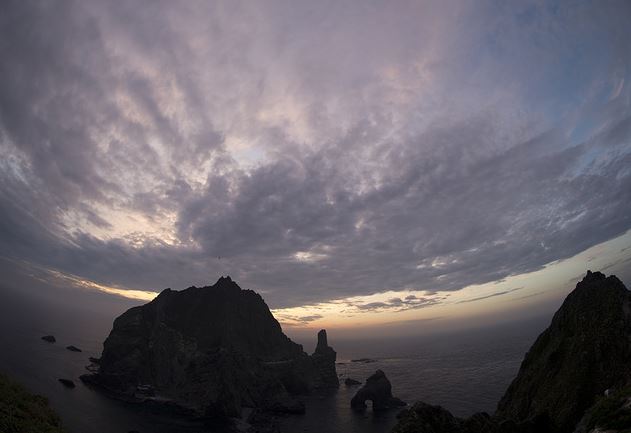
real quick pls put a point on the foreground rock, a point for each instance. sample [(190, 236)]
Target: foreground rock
[(562, 381), (212, 351), (425, 418), (49, 338), (378, 390), (21, 411)]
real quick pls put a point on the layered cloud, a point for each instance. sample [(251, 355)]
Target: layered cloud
[(312, 151)]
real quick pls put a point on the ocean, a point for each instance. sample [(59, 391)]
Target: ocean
[(465, 372)]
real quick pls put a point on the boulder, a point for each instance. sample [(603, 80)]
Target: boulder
[(379, 390), (49, 338)]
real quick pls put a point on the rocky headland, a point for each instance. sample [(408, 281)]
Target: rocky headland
[(211, 351), (575, 377)]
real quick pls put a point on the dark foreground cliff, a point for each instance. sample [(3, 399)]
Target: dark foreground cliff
[(21, 411), (211, 352), (584, 354)]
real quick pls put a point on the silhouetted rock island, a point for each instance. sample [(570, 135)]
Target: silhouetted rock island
[(378, 390), (49, 338), (575, 377), (212, 351)]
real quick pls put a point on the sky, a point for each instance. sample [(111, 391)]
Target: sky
[(358, 163)]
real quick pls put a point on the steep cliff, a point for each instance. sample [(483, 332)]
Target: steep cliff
[(211, 350), (585, 351), (584, 354)]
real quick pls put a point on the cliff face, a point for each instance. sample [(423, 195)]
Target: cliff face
[(212, 350), (585, 351)]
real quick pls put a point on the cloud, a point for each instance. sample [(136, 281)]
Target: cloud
[(323, 152), (410, 302), (492, 295)]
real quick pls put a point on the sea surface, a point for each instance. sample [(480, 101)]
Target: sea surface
[(465, 372)]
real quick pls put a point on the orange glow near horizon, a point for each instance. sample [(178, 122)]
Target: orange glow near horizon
[(515, 293)]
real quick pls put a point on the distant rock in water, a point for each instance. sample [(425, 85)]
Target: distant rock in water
[(378, 390), (584, 354), (364, 360), (73, 348), (49, 338), (67, 383), (212, 350), (351, 382)]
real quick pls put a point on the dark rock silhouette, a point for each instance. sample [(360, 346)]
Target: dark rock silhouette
[(425, 418), (49, 338), (585, 351), (212, 350), (379, 390), (67, 383), (73, 348), (351, 382), (583, 354), (324, 363)]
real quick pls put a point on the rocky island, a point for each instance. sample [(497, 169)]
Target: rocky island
[(575, 377), (210, 351)]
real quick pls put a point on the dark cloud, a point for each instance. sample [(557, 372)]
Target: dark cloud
[(139, 144), (492, 295)]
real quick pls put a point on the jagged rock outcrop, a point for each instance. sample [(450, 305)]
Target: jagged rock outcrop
[(379, 390), (584, 352), (212, 350)]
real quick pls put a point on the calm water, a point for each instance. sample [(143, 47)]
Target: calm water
[(464, 373)]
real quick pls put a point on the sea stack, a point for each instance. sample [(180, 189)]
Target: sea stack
[(324, 363), (212, 350)]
